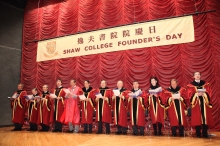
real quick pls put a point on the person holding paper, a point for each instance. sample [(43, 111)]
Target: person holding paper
[(87, 106), (103, 107), (156, 106), (137, 109), (119, 106), (32, 110), (18, 105), (58, 106), (200, 95), (71, 114), (45, 106), (176, 99)]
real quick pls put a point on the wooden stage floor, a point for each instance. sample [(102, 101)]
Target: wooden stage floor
[(26, 138)]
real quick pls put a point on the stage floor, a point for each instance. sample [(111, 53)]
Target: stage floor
[(26, 138)]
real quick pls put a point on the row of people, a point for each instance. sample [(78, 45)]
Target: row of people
[(64, 108)]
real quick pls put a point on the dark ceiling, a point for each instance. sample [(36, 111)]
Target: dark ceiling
[(16, 3)]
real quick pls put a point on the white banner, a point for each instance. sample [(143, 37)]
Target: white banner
[(140, 35)]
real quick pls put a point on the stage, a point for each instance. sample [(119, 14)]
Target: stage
[(26, 138)]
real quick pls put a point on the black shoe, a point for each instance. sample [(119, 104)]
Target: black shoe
[(55, 130), (90, 131), (118, 132), (85, 132), (15, 129), (142, 134), (135, 134), (198, 136), (98, 133), (107, 132), (205, 136), (70, 131), (124, 133)]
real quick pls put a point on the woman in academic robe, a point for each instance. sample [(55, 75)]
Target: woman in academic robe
[(87, 106), (18, 105), (156, 107), (137, 108), (45, 106), (103, 107), (33, 110), (176, 104)]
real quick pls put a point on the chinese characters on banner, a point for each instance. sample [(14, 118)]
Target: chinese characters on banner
[(141, 35)]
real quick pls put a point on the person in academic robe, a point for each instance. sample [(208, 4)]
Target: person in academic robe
[(136, 105), (120, 109), (156, 107), (176, 107), (87, 106), (44, 106), (103, 107), (33, 110), (200, 96), (58, 106), (18, 105), (71, 114)]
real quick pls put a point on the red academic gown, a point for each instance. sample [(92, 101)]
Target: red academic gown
[(18, 106), (176, 109), (137, 109), (120, 109), (88, 106), (45, 109), (106, 106), (197, 106), (33, 110), (59, 104), (156, 112)]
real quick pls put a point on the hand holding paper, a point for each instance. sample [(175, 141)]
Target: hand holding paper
[(53, 96), (99, 95), (155, 91), (202, 90), (132, 95), (82, 97), (116, 92), (176, 96)]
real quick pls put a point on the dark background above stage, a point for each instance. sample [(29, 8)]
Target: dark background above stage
[(11, 20), (60, 17)]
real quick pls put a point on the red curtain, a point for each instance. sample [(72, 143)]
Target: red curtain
[(61, 17)]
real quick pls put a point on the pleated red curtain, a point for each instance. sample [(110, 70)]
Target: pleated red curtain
[(61, 17)]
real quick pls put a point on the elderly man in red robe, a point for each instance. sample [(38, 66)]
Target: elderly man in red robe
[(137, 109), (200, 96), (120, 108), (71, 114), (58, 106), (103, 107), (33, 110), (176, 98), (45, 106), (18, 105), (87, 106)]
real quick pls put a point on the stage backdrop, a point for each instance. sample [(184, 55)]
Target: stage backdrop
[(62, 17)]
